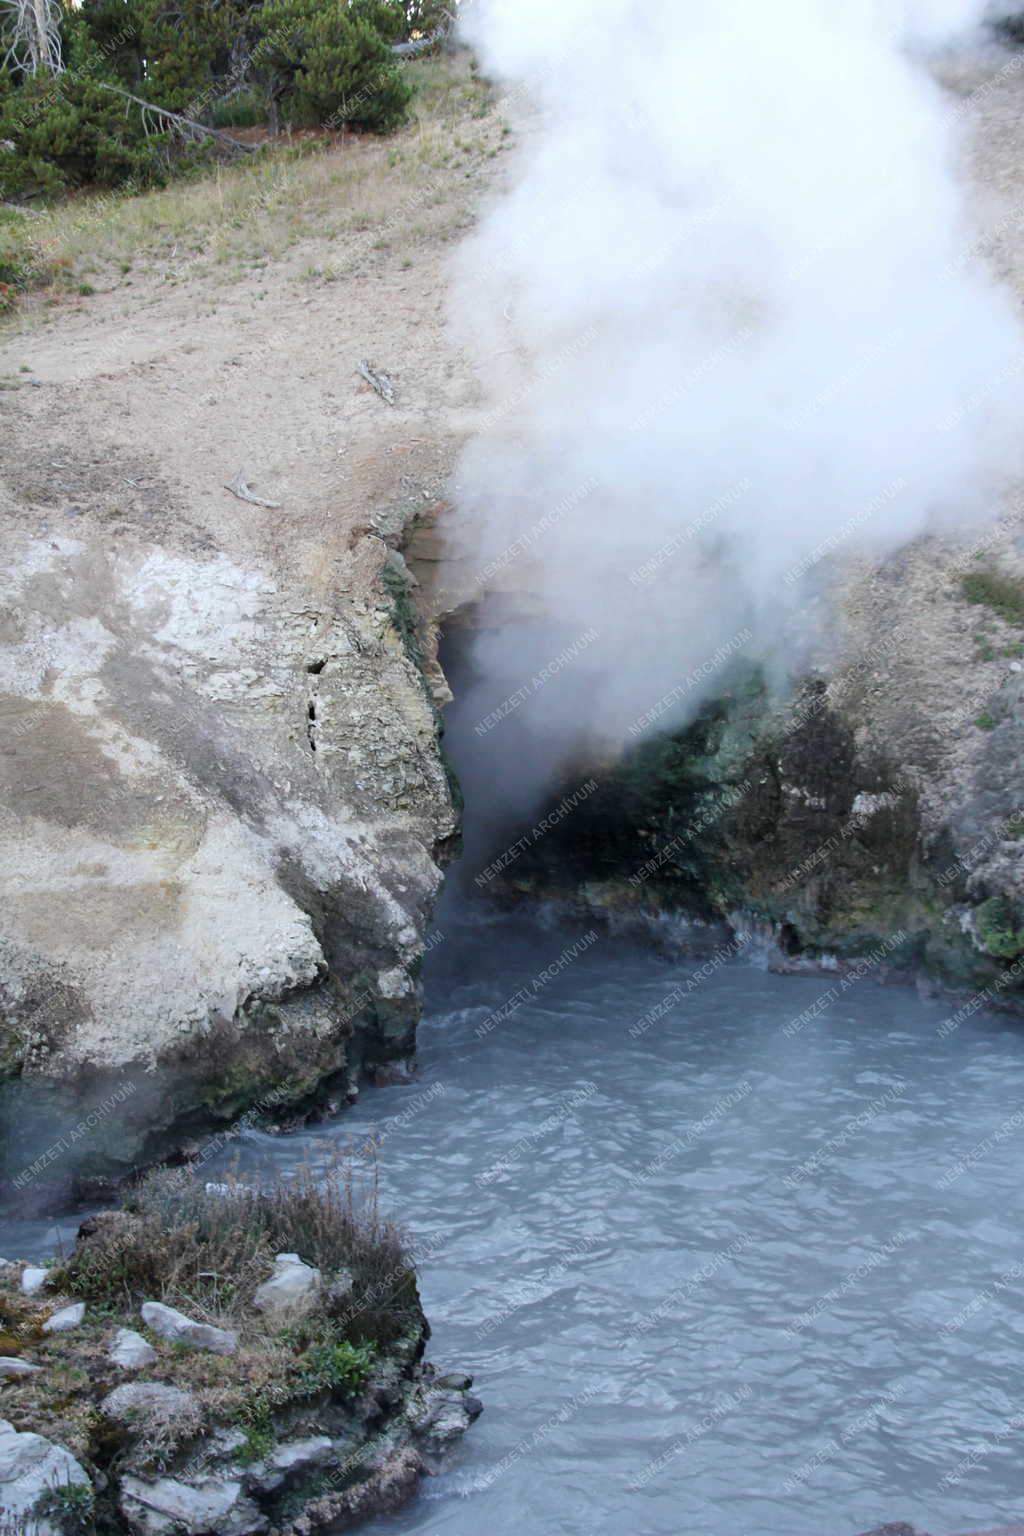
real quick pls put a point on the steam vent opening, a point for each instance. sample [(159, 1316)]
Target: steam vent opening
[(495, 730)]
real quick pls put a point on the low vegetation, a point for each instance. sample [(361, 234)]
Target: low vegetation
[(131, 93), (992, 589), (1000, 929), (204, 1251)]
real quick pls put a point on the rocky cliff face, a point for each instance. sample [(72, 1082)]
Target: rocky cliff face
[(224, 809)]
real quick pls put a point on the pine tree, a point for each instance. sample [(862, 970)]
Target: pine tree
[(323, 64)]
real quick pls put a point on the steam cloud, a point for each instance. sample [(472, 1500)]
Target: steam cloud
[(729, 323)]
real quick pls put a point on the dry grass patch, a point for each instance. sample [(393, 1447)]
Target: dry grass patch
[(206, 1251), (396, 191)]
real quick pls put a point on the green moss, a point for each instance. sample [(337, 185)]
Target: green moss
[(1003, 594), (403, 615), (986, 722), (997, 928)]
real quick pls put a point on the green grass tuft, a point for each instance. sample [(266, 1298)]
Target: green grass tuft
[(1004, 595)]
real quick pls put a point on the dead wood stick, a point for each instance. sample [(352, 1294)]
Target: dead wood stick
[(378, 381), (240, 488), (186, 127)]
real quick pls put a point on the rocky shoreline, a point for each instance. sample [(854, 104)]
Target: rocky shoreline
[(129, 1415)]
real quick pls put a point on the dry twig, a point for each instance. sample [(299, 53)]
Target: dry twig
[(240, 488)]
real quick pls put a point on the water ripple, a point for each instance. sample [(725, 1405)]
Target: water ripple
[(718, 1280)]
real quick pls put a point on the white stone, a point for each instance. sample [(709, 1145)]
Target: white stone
[(153, 1403), (292, 1287), (179, 1329), (11, 1366), (162, 1505), (395, 982), (66, 1319), (150, 1396), (33, 1280), (130, 1350), (29, 1467)]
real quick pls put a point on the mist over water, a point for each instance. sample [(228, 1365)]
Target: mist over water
[(730, 329)]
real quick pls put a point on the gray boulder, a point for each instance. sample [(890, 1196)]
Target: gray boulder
[(66, 1319), (293, 1287), (208, 1507), (130, 1350), (295, 1457), (155, 1406), (33, 1279), (29, 1467), (179, 1329), (442, 1417)]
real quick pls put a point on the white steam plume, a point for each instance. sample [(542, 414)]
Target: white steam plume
[(729, 321)]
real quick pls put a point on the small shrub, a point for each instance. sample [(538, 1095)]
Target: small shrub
[(395, 20), (998, 930), (323, 65), (986, 721), (22, 264), (72, 1507), (69, 132), (1003, 594), (338, 1366), (245, 109)]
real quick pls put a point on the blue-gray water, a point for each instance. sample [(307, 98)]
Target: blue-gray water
[(714, 1276)]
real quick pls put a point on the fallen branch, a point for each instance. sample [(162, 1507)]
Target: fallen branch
[(417, 45), (243, 491), (413, 47), (378, 381), (185, 127)]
